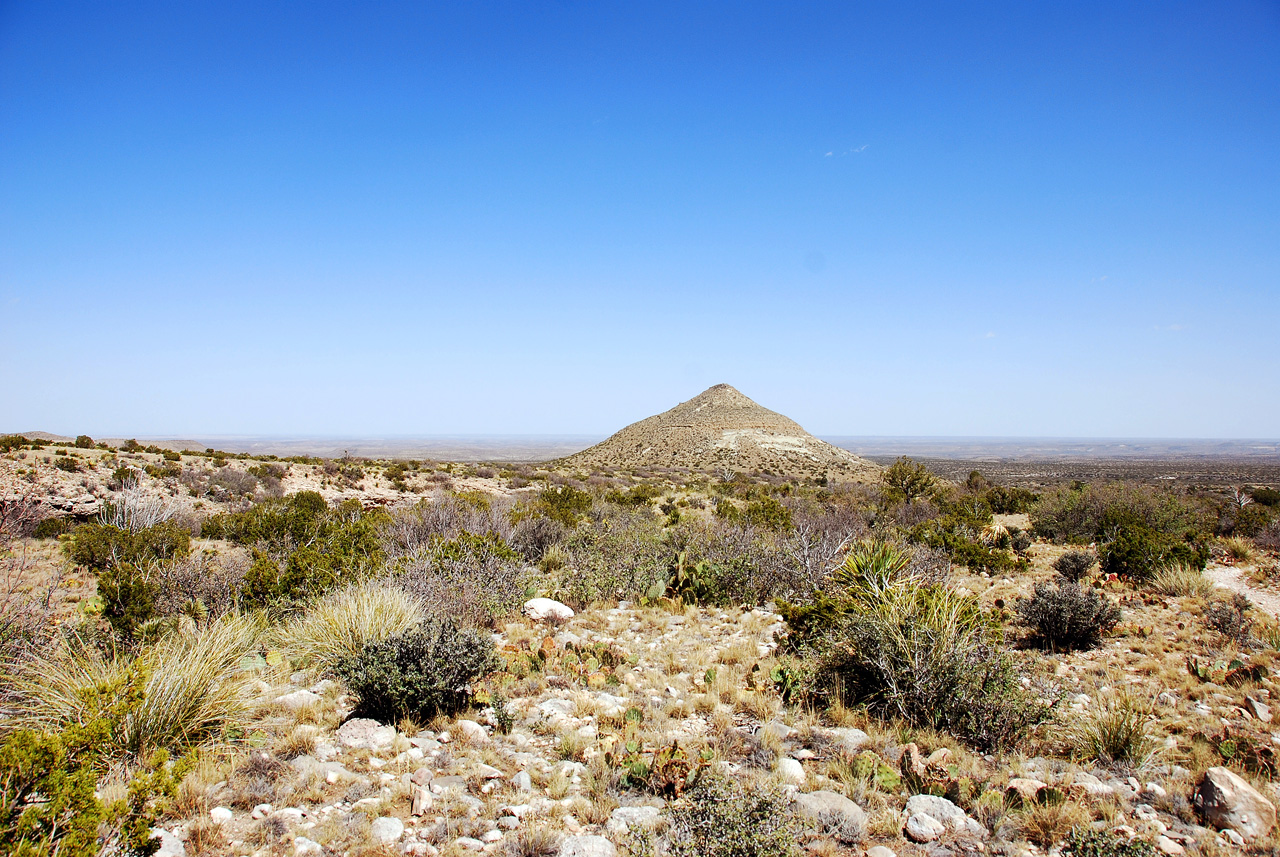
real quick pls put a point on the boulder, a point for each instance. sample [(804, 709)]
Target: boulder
[(547, 609), (299, 699), (833, 811), (220, 814), (170, 844), (1024, 789), (624, 818), (945, 812), (923, 828), (363, 733), (791, 771), (1226, 801), (1259, 709), (587, 846), (849, 740), (473, 732), (388, 829)]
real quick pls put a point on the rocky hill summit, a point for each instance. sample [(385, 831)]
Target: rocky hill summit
[(721, 429)]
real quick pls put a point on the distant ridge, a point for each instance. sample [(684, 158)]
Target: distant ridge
[(721, 429)]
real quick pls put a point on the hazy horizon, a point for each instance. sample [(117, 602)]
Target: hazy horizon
[(987, 219)]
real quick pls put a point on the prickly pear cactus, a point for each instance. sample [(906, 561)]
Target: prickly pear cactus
[(865, 764)]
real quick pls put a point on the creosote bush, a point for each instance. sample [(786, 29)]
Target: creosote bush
[(721, 817), (422, 672), (1067, 616), (1074, 565), (1229, 618)]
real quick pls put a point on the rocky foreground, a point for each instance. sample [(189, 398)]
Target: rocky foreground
[(540, 776)]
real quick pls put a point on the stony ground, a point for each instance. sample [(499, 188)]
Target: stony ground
[(309, 782)]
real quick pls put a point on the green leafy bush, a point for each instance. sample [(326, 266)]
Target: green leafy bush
[(905, 480), (720, 817), (51, 528), (1086, 842), (98, 546), (47, 804), (768, 513), (69, 465), (1068, 616), (128, 599), (1137, 551), (564, 504), (1084, 513), (49, 807), (422, 672), (301, 547)]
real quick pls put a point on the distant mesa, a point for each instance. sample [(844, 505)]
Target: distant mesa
[(720, 430)]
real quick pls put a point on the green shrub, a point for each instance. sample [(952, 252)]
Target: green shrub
[(564, 504), (420, 673), (51, 528), (70, 465), (1009, 501), (47, 803), (636, 495), (1265, 496), (1083, 513), (929, 656), (1137, 551), (905, 480), (1074, 565), (301, 547), (768, 513), (84, 442), (720, 817), (1068, 616), (1087, 842), (98, 546), (128, 599)]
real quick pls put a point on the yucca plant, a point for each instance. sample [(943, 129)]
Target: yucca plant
[(871, 566)]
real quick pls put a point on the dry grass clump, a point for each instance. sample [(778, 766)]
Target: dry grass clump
[(1238, 549), (184, 689), (1046, 824), (533, 842), (1179, 580), (340, 625)]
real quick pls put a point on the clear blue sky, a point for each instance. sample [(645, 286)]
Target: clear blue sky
[(879, 219)]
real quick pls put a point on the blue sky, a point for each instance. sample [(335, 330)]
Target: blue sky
[(941, 218)]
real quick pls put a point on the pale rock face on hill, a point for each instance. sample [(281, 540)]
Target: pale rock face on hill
[(721, 429)]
